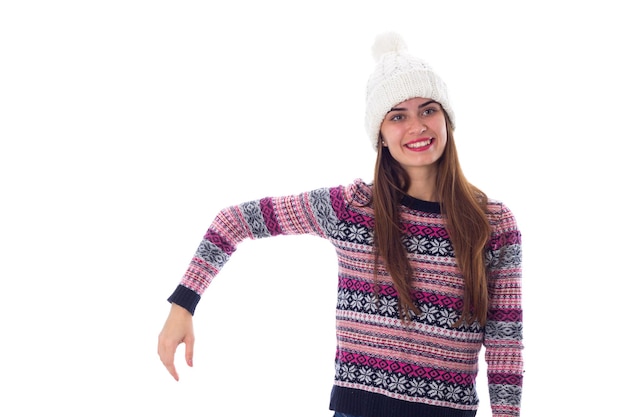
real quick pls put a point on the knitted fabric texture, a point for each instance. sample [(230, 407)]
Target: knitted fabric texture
[(397, 77), (383, 366)]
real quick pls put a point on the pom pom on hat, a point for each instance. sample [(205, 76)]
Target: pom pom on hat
[(397, 77), (387, 42)]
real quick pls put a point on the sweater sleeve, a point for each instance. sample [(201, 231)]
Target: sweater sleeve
[(306, 213), (503, 331)]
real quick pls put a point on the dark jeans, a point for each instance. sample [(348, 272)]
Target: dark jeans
[(343, 415)]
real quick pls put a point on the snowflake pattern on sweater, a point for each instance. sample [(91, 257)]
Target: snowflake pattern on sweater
[(384, 367)]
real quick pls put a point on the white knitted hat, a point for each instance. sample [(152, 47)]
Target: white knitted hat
[(397, 77)]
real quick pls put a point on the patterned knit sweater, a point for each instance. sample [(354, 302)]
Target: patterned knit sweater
[(384, 367)]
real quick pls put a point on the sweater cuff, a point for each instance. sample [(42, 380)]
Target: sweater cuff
[(186, 298)]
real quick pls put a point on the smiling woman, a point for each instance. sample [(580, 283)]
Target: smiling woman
[(429, 268), (127, 125)]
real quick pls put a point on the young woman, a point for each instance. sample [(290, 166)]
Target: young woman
[(429, 267)]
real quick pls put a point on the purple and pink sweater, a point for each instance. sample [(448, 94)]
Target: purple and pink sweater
[(382, 366)]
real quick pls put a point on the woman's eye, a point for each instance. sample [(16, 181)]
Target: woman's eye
[(431, 110), (396, 117)]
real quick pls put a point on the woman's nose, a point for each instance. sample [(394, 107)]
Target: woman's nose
[(417, 126)]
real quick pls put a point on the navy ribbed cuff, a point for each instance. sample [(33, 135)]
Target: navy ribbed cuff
[(185, 298)]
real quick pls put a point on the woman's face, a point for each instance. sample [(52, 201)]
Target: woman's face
[(415, 133)]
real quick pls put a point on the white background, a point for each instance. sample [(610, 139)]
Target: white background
[(126, 125)]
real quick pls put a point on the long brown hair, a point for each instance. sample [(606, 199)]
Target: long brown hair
[(463, 207)]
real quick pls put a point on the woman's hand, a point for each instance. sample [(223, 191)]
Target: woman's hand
[(178, 328)]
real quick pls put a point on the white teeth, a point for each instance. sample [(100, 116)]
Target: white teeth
[(419, 144)]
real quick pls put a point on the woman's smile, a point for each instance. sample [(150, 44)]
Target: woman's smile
[(420, 144)]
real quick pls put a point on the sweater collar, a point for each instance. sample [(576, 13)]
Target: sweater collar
[(420, 205)]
